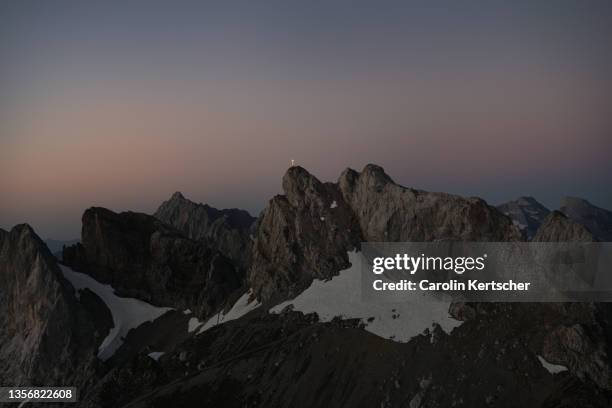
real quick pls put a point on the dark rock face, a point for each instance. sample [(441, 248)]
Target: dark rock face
[(389, 212), (291, 360), (597, 220), (573, 335), (581, 346), (45, 337), (122, 383), (527, 213), (144, 258), (558, 228), (302, 235), (306, 233), (227, 230)]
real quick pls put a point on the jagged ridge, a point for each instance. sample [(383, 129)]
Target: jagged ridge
[(226, 230), (307, 232)]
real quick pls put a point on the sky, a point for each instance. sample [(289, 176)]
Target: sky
[(119, 104)]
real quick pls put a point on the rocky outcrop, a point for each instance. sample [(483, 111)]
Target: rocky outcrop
[(46, 338), (558, 228), (526, 213), (227, 230), (597, 220), (582, 348), (306, 233), (141, 257), (581, 345), (302, 235), (389, 212), (121, 384), (291, 360)]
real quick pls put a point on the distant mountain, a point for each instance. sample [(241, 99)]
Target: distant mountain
[(56, 246), (597, 220), (556, 227), (227, 230), (526, 213)]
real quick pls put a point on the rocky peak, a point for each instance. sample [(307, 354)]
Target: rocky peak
[(24, 237), (390, 212), (300, 186), (557, 227), (372, 177), (302, 235), (226, 230), (375, 175), (41, 327), (177, 196), (526, 213), (234, 217), (527, 200), (597, 220)]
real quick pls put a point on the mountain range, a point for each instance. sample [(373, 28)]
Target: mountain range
[(195, 306), (528, 214)]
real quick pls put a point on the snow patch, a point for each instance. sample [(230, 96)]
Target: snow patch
[(334, 204), (240, 308), (127, 313), (187, 311), (156, 355), (193, 324), (551, 368), (341, 296)]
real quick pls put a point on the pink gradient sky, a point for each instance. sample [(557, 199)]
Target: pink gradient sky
[(93, 118)]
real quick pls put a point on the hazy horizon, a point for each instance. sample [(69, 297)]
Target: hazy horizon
[(71, 229), (119, 105)]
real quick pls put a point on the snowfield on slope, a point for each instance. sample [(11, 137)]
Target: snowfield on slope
[(550, 367), (398, 321), (240, 308), (156, 355), (127, 313)]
